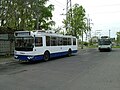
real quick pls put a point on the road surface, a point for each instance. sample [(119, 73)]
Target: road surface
[(87, 70)]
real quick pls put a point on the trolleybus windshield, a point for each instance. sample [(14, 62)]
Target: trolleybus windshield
[(104, 42), (24, 44)]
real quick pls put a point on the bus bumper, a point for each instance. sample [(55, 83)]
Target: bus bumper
[(28, 58)]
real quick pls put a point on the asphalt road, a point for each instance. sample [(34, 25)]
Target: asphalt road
[(87, 70)]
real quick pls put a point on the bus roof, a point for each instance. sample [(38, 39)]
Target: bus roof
[(39, 33)]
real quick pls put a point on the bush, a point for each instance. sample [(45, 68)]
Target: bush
[(86, 43)]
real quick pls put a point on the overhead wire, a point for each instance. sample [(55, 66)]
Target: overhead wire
[(58, 3), (107, 5), (112, 12)]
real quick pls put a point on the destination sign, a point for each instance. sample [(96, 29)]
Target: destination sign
[(22, 33)]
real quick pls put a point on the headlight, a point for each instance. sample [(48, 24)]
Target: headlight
[(15, 56), (30, 57), (15, 52)]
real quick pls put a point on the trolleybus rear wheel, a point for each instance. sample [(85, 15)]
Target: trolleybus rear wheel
[(69, 52), (46, 56)]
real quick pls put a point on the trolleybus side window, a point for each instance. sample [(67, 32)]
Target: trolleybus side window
[(69, 41), (38, 41), (64, 41), (47, 40), (60, 39), (53, 41), (74, 41)]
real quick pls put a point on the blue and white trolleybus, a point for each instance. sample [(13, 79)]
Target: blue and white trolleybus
[(42, 45), (104, 43)]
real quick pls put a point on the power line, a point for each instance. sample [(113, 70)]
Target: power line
[(113, 5), (108, 5), (107, 12), (58, 4)]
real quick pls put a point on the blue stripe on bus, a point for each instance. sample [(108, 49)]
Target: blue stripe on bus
[(74, 51), (40, 57)]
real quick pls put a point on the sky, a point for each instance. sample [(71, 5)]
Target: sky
[(104, 15)]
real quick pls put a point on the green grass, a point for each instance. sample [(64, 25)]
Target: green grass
[(5, 56), (116, 46), (92, 46)]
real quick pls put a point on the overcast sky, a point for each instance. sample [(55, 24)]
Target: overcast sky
[(105, 14)]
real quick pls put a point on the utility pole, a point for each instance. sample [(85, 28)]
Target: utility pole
[(109, 33), (82, 41), (37, 15), (89, 28), (68, 15), (89, 21)]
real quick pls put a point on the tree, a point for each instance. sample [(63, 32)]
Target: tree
[(118, 38), (23, 14), (78, 22)]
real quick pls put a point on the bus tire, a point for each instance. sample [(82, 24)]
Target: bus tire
[(100, 50), (46, 56), (69, 52)]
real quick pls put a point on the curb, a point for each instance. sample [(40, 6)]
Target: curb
[(7, 60)]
